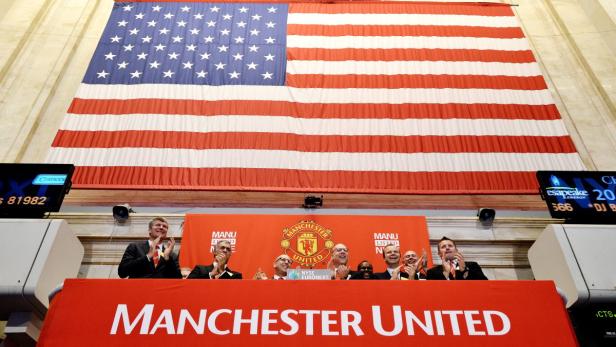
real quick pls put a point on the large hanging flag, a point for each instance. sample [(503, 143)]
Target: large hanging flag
[(340, 97)]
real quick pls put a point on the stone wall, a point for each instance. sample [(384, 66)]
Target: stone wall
[(500, 249)]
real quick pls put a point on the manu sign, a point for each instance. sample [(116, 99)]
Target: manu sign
[(257, 239)]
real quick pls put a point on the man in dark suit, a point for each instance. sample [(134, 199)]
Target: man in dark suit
[(151, 258), (454, 266), (219, 269), (391, 256)]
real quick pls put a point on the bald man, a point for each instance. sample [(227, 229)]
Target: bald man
[(339, 262), (282, 263)]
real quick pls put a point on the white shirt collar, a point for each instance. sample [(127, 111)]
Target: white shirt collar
[(159, 246)]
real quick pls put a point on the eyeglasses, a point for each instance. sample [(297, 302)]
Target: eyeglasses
[(365, 268), (341, 250), (285, 260)]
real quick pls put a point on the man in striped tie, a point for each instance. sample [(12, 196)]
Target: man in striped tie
[(151, 258)]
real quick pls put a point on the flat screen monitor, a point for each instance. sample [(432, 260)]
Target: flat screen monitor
[(580, 196), (31, 190)]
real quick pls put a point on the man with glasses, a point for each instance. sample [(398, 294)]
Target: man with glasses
[(219, 269), (152, 258), (281, 265)]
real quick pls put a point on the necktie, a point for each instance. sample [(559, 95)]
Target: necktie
[(156, 257)]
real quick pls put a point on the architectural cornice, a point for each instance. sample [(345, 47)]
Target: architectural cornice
[(188, 198)]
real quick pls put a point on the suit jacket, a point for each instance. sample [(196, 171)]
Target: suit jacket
[(474, 273), (135, 263), (386, 276), (357, 275), (420, 275), (203, 272)]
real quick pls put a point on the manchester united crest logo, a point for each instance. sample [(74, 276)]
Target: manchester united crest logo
[(307, 243)]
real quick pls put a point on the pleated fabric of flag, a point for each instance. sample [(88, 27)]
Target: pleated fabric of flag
[(335, 97)]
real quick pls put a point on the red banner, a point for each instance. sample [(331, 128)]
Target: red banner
[(321, 313), (307, 239)]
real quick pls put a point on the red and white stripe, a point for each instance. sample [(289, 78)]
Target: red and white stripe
[(404, 98)]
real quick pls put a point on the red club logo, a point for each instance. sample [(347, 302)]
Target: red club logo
[(307, 243)]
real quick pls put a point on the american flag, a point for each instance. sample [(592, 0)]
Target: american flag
[(339, 97)]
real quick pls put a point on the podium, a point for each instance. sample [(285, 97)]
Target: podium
[(141, 312)]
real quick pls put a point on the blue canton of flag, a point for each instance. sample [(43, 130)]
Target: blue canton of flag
[(192, 43)]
